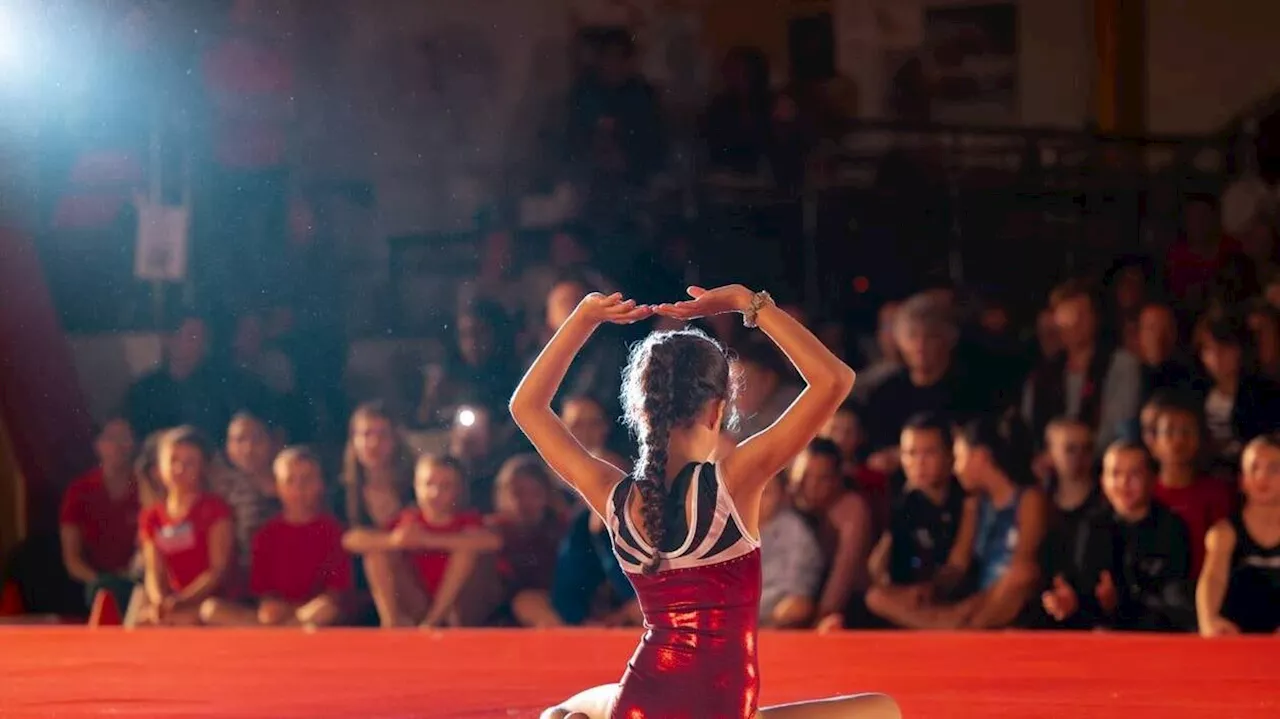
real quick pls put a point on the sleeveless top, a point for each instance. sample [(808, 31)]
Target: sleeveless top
[(1253, 591), (716, 535), (697, 658), (997, 537)]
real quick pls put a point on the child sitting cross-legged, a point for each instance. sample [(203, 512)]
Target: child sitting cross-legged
[(299, 572)]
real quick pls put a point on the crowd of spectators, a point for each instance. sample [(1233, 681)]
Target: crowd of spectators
[(1119, 470)]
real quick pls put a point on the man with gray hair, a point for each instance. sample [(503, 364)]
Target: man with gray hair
[(926, 333)]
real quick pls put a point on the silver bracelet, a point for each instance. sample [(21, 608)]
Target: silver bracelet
[(759, 301)]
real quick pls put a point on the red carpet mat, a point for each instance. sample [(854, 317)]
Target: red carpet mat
[(76, 672)]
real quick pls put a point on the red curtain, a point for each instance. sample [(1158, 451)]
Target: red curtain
[(43, 407)]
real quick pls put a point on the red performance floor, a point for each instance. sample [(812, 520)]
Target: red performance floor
[(71, 672)]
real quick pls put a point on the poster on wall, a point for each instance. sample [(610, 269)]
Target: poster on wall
[(873, 39), (973, 63)]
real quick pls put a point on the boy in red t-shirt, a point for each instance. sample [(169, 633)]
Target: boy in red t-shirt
[(187, 540), (436, 567), (299, 572), (98, 522), (1198, 500)]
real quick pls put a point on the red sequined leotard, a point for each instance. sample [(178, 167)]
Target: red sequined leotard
[(697, 659)]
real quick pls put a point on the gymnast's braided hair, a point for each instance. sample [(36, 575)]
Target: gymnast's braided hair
[(669, 379)]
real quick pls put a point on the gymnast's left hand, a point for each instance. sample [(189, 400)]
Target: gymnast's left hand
[(614, 309)]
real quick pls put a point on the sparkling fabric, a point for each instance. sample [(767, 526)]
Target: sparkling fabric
[(698, 658)]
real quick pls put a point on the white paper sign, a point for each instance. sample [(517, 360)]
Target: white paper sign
[(161, 253)]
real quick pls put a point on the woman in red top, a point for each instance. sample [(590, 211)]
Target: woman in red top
[(686, 530), (435, 567), (187, 540)]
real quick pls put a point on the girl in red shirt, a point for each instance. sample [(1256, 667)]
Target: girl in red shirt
[(435, 567), (187, 540), (299, 571)]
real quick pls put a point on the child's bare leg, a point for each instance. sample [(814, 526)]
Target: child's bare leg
[(792, 611), (532, 608), (323, 611), (481, 594), (399, 597), (858, 706), (594, 703), (185, 617), (444, 605), (138, 607), (897, 605), (222, 613)]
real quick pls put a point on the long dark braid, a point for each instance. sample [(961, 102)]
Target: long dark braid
[(670, 378), (651, 470)]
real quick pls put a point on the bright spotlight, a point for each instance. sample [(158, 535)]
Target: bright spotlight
[(11, 51), (466, 417)]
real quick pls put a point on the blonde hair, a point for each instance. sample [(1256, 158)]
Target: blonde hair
[(1262, 441), (295, 453)]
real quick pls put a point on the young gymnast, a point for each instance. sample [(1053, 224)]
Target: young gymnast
[(686, 530)]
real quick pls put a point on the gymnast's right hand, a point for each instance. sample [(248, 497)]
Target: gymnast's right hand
[(599, 308)]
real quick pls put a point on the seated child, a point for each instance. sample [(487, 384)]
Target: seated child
[(843, 524), (187, 540), (98, 520), (529, 525), (791, 561), (927, 550), (1129, 568), (435, 567), (299, 573), (992, 461), (1199, 500), (1239, 590)]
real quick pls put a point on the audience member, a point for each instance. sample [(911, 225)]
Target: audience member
[(843, 524), (301, 575), (765, 392), (1239, 590), (529, 524), (845, 430), (429, 570), (188, 542), (190, 389), (245, 480), (98, 522), (991, 462), (928, 381), (1163, 366), (1072, 485), (791, 561), (1090, 380), (1264, 326), (926, 552), (479, 369), (377, 470), (1198, 500), (1129, 567), (1237, 405)]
